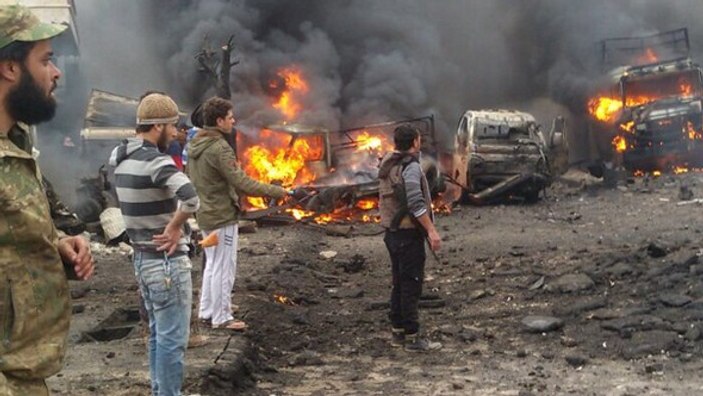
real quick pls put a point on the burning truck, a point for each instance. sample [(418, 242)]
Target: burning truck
[(647, 115), (337, 169)]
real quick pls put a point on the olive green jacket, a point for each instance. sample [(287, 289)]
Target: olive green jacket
[(219, 181), (34, 296)]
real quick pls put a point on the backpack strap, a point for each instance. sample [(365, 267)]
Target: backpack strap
[(401, 197)]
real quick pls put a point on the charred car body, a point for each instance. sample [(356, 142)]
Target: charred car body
[(502, 154), (344, 162), (649, 119)]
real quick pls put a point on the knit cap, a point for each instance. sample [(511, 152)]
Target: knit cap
[(157, 109)]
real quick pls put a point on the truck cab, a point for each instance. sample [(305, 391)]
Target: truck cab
[(660, 126), (646, 116)]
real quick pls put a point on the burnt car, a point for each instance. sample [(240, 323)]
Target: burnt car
[(649, 117), (503, 154), (339, 169)]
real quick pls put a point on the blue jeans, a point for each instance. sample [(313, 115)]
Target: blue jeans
[(167, 289)]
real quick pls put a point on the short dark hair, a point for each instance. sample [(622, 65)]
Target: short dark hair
[(144, 128), (17, 51), (196, 117), (404, 136), (150, 92), (215, 108)]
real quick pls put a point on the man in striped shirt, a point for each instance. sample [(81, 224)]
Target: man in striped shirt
[(156, 199)]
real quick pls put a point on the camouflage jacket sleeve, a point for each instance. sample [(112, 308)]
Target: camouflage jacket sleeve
[(238, 179), (34, 296)]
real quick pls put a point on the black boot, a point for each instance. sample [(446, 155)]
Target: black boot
[(415, 343), (397, 337)]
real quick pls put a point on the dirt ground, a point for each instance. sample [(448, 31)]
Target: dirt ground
[(617, 271)]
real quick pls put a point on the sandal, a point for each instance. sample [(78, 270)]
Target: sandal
[(231, 325)]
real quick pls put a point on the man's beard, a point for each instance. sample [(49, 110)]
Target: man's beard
[(28, 103), (163, 141)]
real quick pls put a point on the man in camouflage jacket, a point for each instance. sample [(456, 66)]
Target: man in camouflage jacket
[(34, 261)]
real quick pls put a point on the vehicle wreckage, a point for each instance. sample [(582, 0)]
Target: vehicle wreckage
[(503, 154), (647, 115), (496, 155)]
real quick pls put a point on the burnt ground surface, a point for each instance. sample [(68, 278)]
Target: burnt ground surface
[(617, 273)]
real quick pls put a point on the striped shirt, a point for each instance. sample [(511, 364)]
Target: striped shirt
[(150, 189), (415, 187)]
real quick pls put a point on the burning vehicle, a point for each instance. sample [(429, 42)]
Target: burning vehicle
[(336, 170), (501, 154), (647, 117)]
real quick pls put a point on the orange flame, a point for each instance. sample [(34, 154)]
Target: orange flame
[(300, 214), (692, 133), (619, 144), (324, 219), (367, 204), (686, 89), (441, 207), (280, 159), (604, 108), (256, 202), (281, 299), (367, 142), (284, 158), (650, 56), (628, 126), (295, 86), (276, 159), (680, 169)]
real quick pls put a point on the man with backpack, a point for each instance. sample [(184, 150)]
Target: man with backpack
[(406, 214)]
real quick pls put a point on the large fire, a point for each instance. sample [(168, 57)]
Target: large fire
[(294, 87), (605, 108), (276, 156), (281, 159)]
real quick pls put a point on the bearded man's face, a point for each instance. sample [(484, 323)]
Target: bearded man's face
[(168, 135), (28, 102), (31, 100)]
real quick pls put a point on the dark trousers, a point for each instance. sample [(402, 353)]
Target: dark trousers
[(407, 251)]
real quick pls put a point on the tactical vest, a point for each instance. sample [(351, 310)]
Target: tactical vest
[(392, 202)]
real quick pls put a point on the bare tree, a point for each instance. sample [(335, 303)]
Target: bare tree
[(217, 68)]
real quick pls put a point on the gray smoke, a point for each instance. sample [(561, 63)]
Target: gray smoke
[(372, 60)]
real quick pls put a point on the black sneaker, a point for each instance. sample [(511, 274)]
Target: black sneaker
[(415, 343), (397, 337)]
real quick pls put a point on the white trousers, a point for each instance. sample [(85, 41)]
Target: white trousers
[(218, 278)]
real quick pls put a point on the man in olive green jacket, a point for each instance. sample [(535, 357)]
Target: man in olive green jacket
[(219, 181)]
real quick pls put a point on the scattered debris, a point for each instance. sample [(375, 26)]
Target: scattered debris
[(576, 360), (542, 324), (685, 193), (355, 264), (656, 250), (571, 283), (328, 254)]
